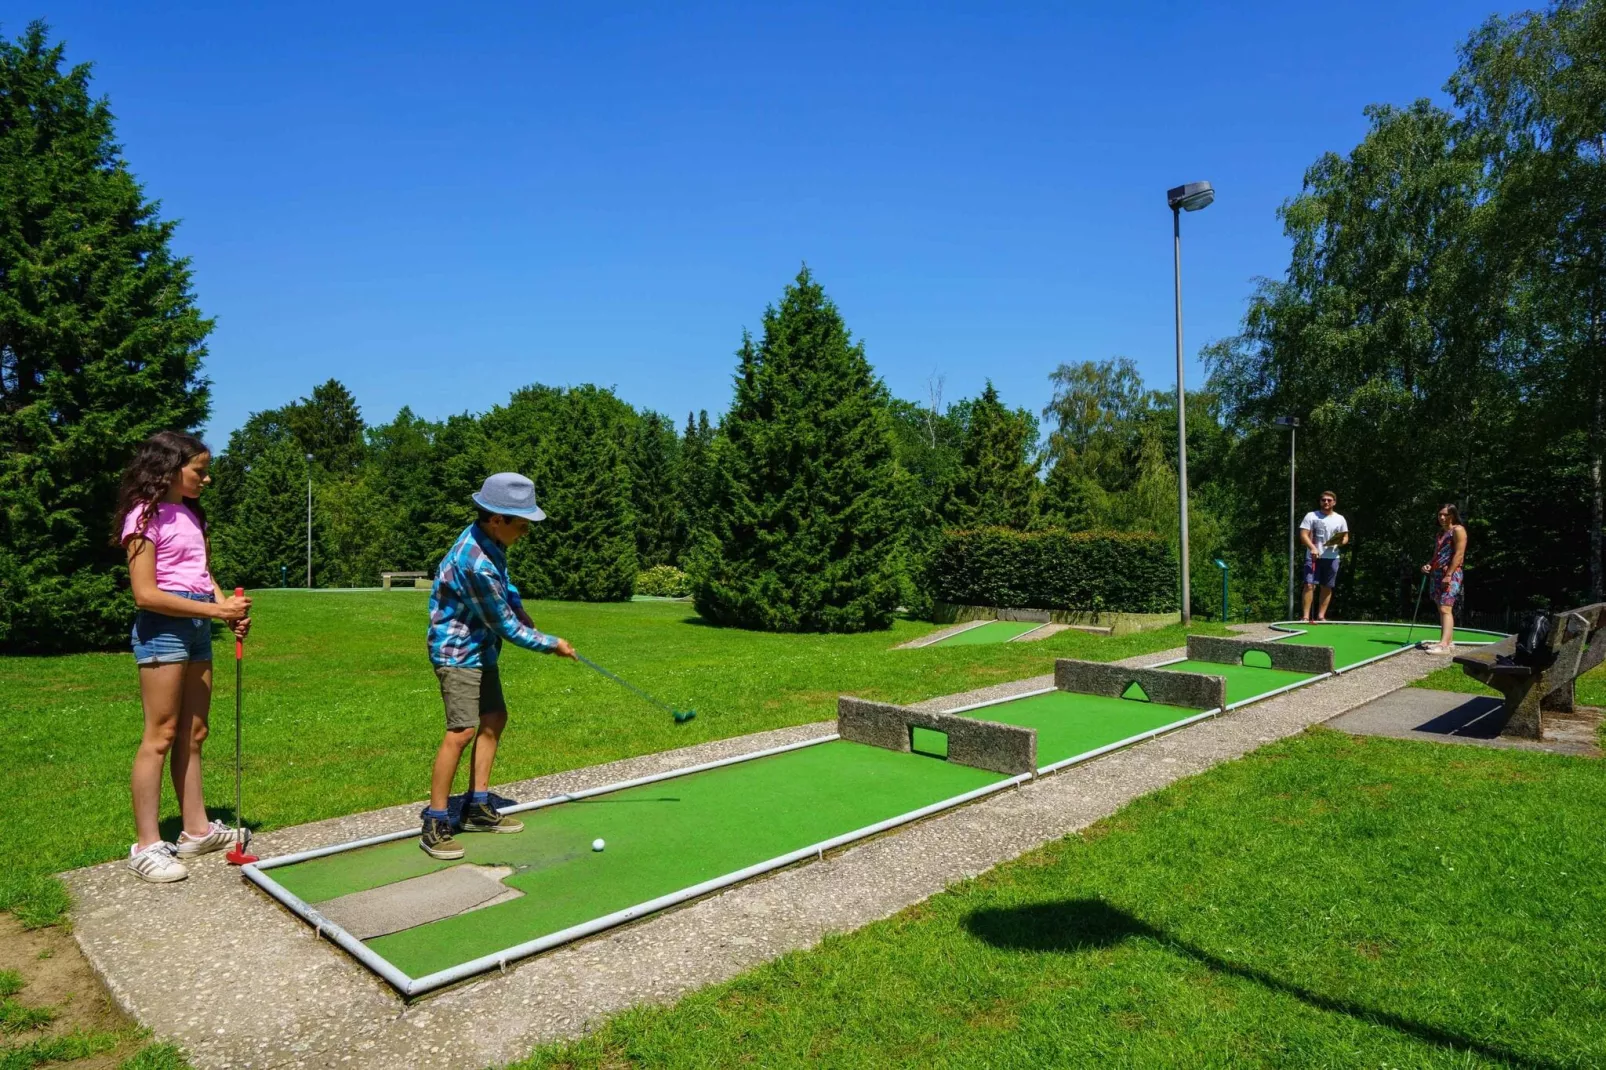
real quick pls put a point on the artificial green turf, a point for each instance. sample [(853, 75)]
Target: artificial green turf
[(1328, 901), (1243, 681), (1355, 643), (998, 631), (660, 837), (730, 818), (1070, 724), (342, 712)]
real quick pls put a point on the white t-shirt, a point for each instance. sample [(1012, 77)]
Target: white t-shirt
[(1322, 530)]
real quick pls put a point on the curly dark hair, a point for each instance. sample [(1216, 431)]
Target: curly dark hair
[(149, 475)]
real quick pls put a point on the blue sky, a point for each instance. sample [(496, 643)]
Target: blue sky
[(439, 206)]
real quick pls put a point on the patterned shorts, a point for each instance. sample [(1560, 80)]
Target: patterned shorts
[(1447, 592)]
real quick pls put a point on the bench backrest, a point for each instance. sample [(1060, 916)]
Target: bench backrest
[(1578, 640)]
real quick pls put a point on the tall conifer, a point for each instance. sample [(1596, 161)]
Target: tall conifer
[(801, 533), (100, 346), (997, 478)]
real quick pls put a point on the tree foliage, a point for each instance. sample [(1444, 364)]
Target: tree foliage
[(1440, 328), (100, 346), (802, 531), (995, 480)]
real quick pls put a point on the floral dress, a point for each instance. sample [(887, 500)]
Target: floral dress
[(1446, 581)]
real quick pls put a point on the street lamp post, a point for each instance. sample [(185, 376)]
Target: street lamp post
[(1187, 198), (1292, 423), (309, 521), (1226, 571)]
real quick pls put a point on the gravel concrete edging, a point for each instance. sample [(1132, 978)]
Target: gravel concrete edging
[(217, 968)]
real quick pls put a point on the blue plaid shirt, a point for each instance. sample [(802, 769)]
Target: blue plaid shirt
[(473, 606)]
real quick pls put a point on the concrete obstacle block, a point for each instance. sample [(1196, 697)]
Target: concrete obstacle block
[(999, 748), (1193, 691), (1224, 651)]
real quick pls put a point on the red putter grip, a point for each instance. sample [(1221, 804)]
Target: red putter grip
[(239, 644)]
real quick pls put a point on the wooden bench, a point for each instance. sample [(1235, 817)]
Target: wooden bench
[(1577, 644), (412, 578)]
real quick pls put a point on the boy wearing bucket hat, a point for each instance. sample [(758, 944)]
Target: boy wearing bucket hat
[(472, 609)]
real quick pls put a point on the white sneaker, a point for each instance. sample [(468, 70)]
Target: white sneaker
[(218, 836), (157, 863)]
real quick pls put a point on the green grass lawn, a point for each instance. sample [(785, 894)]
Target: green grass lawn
[(343, 713), (1328, 901)]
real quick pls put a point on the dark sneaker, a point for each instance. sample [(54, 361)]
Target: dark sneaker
[(479, 817), (437, 839)]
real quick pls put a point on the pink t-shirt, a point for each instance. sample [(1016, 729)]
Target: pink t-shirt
[(180, 545)]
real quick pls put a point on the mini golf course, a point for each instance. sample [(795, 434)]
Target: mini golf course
[(994, 631), (422, 923)]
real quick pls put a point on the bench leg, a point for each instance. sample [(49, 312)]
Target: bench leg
[(1561, 700), (384, 583), (1523, 712)]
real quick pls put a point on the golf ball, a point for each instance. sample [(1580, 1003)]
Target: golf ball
[(597, 845)]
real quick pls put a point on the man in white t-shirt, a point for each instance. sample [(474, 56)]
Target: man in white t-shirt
[(1322, 531)]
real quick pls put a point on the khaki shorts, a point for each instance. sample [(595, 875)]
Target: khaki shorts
[(469, 693)]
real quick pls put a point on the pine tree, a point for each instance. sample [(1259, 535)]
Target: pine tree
[(329, 426), (100, 346), (654, 456), (585, 550), (696, 448), (801, 533), (997, 479), (265, 541)]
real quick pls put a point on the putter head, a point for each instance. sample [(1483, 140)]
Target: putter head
[(682, 716), (238, 855)]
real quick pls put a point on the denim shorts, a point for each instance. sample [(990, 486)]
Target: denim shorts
[(162, 640)]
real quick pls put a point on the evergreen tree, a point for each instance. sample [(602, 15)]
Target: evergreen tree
[(265, 543), (996, 481), (802, 529), (585, 550), (329, 426), (692, 491), (654, 457), (100, 346)]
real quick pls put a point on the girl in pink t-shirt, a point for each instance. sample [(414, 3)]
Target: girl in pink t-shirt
[(162, 528)]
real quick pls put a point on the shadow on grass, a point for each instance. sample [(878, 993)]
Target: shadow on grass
[(1092, 924)]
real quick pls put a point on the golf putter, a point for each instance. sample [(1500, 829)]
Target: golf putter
[(238, 855), (1420, 591), (681, 716)]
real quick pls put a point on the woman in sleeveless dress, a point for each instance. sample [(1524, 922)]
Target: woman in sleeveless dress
[(1444, 572)]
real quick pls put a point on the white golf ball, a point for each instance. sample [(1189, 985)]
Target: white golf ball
[(597, 845)]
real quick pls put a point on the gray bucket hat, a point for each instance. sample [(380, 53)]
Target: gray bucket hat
[(509, 494)]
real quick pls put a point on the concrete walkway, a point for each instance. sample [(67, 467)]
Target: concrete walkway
[(219, 969), (1448, 717)]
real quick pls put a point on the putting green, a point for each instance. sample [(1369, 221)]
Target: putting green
[(1355, 643), (997, 631), (673, 835), (660, 838), (1243, 681), (1069, 724)]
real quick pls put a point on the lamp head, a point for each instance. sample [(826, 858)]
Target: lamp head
[(1191, 197), (1222, 565), (1286, 421)]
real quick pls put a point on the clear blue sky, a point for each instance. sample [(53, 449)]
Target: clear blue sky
[(437, 206)]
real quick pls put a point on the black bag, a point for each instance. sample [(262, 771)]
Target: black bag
[(1533, 641)]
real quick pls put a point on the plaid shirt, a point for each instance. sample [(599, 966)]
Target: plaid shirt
[(473, 607)]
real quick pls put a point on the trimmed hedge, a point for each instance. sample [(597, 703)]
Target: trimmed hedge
[(1109, 571)]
